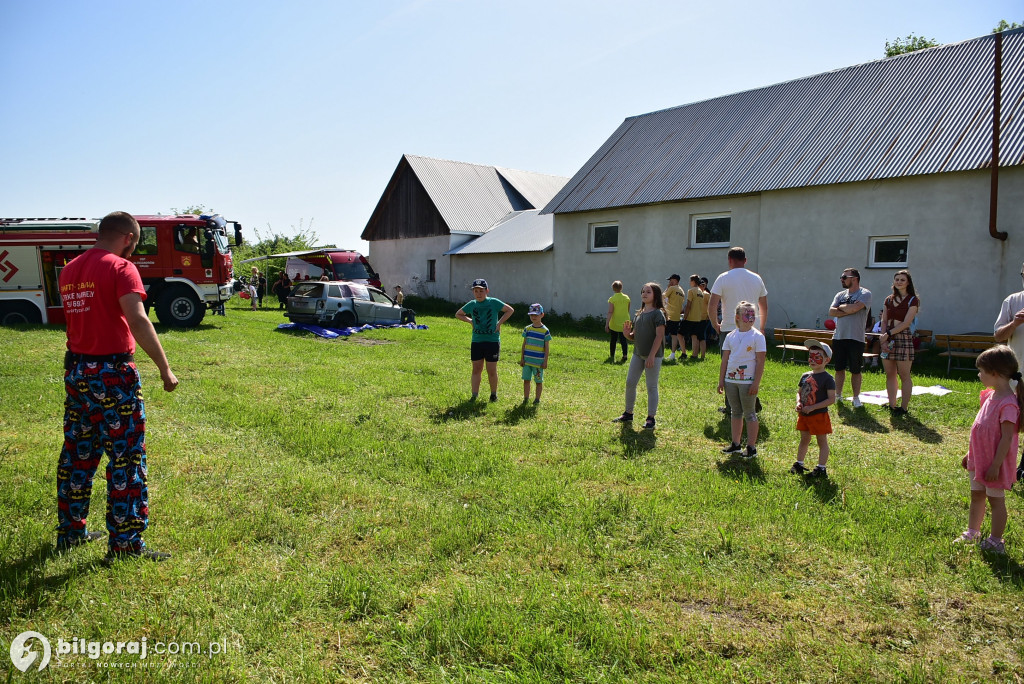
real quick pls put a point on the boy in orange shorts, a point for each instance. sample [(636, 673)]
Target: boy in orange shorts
[(816, 393)]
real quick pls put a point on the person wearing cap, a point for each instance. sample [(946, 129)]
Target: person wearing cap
[(486, 314), (534, 355), (816, 392), (695, 318), (850, 307), (675, 298)]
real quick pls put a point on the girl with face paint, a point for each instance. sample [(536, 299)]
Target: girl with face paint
[(817, 391), (739, 377)]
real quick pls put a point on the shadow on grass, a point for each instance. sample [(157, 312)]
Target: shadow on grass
[(825, 490), (464, 410), (1005, 568), (723, 430), (910, 424), (27, 577), (635, 444), (862, 419), (736, 467), (519, 412)]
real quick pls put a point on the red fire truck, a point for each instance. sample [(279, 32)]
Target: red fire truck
[(185, 263)]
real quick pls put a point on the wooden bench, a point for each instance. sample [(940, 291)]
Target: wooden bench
[(792, 340), (959, 347)]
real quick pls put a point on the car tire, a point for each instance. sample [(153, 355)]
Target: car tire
[(344, 319), (179, 307), (19, 313)]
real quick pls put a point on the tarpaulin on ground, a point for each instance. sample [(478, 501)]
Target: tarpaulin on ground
[(880, 397), (332, 333)]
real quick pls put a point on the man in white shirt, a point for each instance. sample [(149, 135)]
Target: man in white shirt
[(734, 286), (1011, 317)]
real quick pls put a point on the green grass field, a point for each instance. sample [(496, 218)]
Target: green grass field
[(338, 511)]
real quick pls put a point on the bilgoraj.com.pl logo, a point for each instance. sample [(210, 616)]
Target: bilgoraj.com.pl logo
[(29, 647), (23, 654)]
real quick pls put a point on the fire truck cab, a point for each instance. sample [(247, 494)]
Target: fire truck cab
[(184, 261)]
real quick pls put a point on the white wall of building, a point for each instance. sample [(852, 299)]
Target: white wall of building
[(960, 273), (404, 262), (515, 277), (653, 244)]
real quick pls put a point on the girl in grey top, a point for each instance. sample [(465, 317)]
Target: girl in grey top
[(647, 332)]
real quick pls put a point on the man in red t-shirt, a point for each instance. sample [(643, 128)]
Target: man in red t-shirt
[(102, 294)]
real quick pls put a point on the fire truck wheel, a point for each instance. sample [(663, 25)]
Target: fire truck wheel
[(179, 307), (15, 313)]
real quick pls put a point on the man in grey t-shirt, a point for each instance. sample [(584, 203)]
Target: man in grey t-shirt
[(850, 307)]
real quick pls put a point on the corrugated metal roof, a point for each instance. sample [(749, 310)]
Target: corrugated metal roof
[(472, 197), (537, 188), (520, 231), (925, 112)]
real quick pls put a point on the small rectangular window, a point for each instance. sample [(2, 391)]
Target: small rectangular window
[(147, 241), (431, 270), (604, 237), (710, 230), (888, 251), (311, 290)]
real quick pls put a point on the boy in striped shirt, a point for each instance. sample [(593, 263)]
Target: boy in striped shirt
[(534, 355)]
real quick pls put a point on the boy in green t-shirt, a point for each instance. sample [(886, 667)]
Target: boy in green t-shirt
[(483, 313)]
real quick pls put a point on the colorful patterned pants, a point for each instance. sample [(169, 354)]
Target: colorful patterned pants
[(103, 411)]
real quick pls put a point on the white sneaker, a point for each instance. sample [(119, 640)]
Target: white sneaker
[(839, 399), (672, 356), (857, 403)]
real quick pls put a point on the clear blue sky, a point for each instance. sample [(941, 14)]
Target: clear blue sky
[(272, 113)]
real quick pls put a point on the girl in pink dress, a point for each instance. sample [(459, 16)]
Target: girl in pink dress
[(991, 459)]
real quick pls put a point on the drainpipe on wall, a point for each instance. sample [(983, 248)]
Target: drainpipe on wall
[(996, 97)]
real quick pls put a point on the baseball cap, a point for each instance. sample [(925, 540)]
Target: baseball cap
[(536, 309), (815, 344), (674, 276), (479, 282)]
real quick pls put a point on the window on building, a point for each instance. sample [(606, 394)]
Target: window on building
[(710, 230), (888, 251), (431, 270), (604, 237)]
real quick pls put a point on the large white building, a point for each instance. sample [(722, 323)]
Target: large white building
[(880, 166)]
